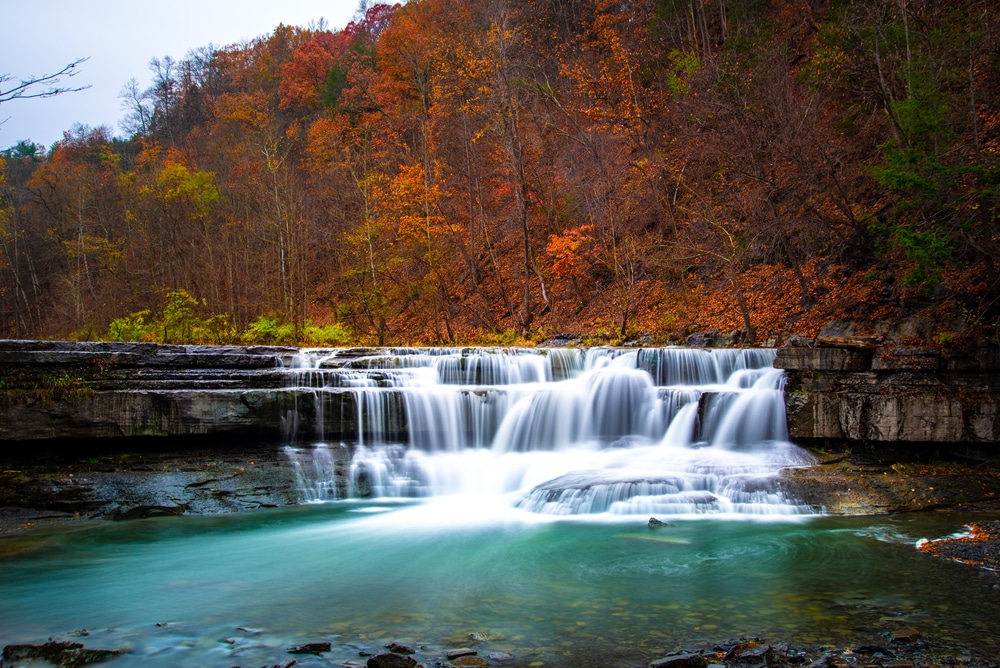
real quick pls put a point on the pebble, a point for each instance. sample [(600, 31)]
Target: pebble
[(909, 635)]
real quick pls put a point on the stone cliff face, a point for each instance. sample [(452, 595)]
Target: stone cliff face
[(888, 397), (61, 390), (56, 390)]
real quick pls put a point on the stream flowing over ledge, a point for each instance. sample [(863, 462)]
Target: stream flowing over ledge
[(132, 430)]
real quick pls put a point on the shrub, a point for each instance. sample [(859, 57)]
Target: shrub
[(269, 330), (181, 319), (329, 336)]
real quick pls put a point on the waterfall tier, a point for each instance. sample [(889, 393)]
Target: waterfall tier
[(666, 431)]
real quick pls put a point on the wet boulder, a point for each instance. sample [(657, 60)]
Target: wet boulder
[(316, 648), (658, 524), (390, 660)]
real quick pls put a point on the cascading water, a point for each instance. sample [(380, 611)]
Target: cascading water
[(664, 431), (499, 446)]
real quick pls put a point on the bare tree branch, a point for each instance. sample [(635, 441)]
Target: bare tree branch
[(46, 85)]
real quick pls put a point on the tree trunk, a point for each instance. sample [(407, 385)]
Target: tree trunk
[(751, 333)]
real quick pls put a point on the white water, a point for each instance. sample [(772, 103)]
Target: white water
[(670, 432)]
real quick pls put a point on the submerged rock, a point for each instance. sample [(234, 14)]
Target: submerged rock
[(500, 656), (316, 648), (400, 648), (906, 635), (391, 661), (62, 654), (249, 631)]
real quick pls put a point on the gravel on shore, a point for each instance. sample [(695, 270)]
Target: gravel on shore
[(979, 547)]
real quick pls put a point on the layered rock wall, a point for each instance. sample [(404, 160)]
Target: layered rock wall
[(58, 390), (853, 393), (844, 391), (71, 391)]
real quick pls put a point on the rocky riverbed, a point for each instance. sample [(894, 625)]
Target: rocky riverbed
[(51, 488), (902, 647)]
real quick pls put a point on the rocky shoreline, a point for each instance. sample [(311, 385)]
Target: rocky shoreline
[(979, 547), (901, 648), (849, 484)]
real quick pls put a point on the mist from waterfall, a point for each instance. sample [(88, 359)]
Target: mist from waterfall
[(670, 432)]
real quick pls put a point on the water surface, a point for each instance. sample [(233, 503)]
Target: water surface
[(175, 591)]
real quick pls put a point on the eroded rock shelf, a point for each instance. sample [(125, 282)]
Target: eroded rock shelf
[(893, 398)]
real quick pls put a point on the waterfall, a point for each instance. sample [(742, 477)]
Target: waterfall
[(315, 472), (660, 431)]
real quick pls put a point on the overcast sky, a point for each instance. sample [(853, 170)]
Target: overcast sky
[(120, 37)]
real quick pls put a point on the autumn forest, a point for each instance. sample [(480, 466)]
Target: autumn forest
[(503, 171)]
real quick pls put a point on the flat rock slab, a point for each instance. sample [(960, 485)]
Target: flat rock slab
[(845, 486)]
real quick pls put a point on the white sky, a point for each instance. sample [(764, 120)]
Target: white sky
[(120, 37)]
